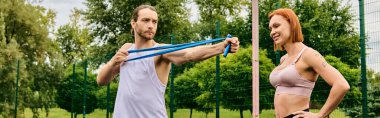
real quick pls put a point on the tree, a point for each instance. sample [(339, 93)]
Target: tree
[(373, 101), (185, 92), (101, 95), (42, 90), (9, 54), (70, 92), (212, 11), (111, 24), (24, 37), (241, 28), (236, 76), (326, 27), (237, 81), (74, 39)]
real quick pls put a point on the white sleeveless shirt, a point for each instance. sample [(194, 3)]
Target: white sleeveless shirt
[(140, 93)]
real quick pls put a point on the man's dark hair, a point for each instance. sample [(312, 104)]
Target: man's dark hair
[(135, 14)]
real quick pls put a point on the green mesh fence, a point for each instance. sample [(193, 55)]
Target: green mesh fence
[(191, 90)]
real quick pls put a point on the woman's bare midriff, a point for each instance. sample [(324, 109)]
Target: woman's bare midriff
[(286, 104)]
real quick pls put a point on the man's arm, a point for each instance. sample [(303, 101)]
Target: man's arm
[(112, 67), (200, 53)]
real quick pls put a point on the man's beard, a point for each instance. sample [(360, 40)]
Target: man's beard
[(141, 34)]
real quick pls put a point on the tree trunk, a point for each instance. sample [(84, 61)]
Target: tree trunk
[(47, 112), (241, 113), (191, 112), (35, 112)]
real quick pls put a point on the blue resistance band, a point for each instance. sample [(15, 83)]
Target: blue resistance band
[(177, 47)]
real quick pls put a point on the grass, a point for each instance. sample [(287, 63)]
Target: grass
[(224, 113), (61, 113), (181, 113)]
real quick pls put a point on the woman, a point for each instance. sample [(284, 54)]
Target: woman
[(295, 76)]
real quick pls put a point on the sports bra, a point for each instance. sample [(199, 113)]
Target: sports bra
[(289, 81)]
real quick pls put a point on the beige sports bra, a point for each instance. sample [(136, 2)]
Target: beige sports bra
[(289, 81)]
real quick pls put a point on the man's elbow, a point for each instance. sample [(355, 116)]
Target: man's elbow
[(100, 81)]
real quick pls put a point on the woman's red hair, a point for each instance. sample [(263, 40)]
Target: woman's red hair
[(295, 25)]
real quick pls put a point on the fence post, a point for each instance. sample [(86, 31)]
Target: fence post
[(363, 60), (255, 59), (73, 92), (108, 100), (171, 83), (17, 78), (217, 72), (84, 88)]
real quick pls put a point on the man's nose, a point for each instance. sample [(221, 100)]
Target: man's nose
[(150, 25)]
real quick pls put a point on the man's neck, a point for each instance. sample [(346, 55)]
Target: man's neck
[(141, 43)]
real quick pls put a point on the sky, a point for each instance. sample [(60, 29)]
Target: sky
[(372, 29), (372, 16), (63, 8)]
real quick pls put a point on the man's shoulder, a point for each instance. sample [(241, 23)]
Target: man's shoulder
[(162, 44), (126, 46)]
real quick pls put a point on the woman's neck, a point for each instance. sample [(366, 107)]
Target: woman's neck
[(294, 48)]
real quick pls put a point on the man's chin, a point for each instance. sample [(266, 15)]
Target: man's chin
[(147, 38)]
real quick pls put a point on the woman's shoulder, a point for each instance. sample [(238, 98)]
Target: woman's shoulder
[(311, 56), (309, 52), (283, 58)]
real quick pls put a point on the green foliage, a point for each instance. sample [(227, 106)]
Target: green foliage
[(70, 89), (42, 90), (373, 101), (111, 21), (8, 65), (73, 39), (198, 83), (237, 80), (185, 91), (326, 27), (241, 28), (24, 32), (101, 96), (212, 11)]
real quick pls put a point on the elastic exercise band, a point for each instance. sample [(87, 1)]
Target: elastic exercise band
[(228, 47), (176, 48)]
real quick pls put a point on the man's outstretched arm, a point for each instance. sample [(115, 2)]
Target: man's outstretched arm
[(200, 53)]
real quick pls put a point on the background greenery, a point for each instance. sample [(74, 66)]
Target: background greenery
[(94, 34)]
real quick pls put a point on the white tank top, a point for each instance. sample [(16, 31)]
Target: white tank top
[(140, 93)]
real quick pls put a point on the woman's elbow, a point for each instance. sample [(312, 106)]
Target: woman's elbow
[(345, 86)]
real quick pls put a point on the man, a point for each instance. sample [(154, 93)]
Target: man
[(142, 82)]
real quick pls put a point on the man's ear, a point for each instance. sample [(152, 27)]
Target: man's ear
[(133, 24)]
